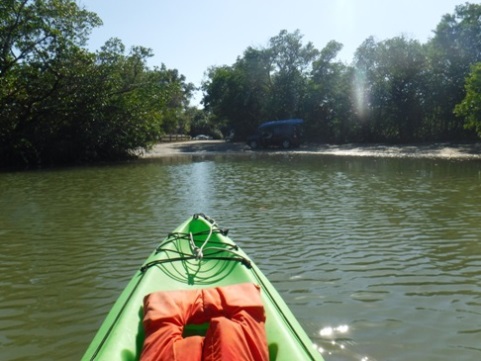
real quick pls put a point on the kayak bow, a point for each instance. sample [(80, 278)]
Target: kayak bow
[(196, 255)]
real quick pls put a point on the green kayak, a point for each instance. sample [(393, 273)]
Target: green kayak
[(196, 255)]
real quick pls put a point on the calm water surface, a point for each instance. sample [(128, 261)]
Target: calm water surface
[(380, 259)]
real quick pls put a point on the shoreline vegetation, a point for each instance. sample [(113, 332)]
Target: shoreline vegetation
[(62, 104), (461, 151)]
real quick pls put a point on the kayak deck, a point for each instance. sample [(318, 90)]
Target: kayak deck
[(198, 254)]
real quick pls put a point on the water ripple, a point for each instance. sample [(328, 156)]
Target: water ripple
[(388, 248)]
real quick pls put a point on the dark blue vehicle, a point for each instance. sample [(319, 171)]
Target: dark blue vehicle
[(282, 133)]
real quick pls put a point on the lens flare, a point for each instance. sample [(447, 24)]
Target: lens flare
[(361, 95)]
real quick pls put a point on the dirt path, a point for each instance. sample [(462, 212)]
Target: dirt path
[(438, 150)]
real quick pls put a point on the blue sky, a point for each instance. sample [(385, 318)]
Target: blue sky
[(192, 35)]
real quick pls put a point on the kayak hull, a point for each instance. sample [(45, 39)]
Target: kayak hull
[(198, 254)]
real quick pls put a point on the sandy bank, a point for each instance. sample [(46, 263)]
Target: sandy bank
[(438, 150)]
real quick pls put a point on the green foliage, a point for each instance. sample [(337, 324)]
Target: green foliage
[(397, 90), (392, 91), (455, 47), (236, 96), (61, 104), (290, 62), (470, 107), (327, 108), (263, 84), (201, 123)]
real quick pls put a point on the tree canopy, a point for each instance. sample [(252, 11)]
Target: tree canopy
[(61, 103), (396, 90)]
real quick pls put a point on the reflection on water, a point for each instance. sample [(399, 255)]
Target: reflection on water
[(380, 259)]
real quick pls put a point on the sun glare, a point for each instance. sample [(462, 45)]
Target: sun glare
[(360, 93)]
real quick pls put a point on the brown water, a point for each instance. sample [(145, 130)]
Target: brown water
[(380, 259)]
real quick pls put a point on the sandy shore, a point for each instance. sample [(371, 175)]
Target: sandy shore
[(438, 150)]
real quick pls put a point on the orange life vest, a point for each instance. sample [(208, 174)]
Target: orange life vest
[(236, 325)]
